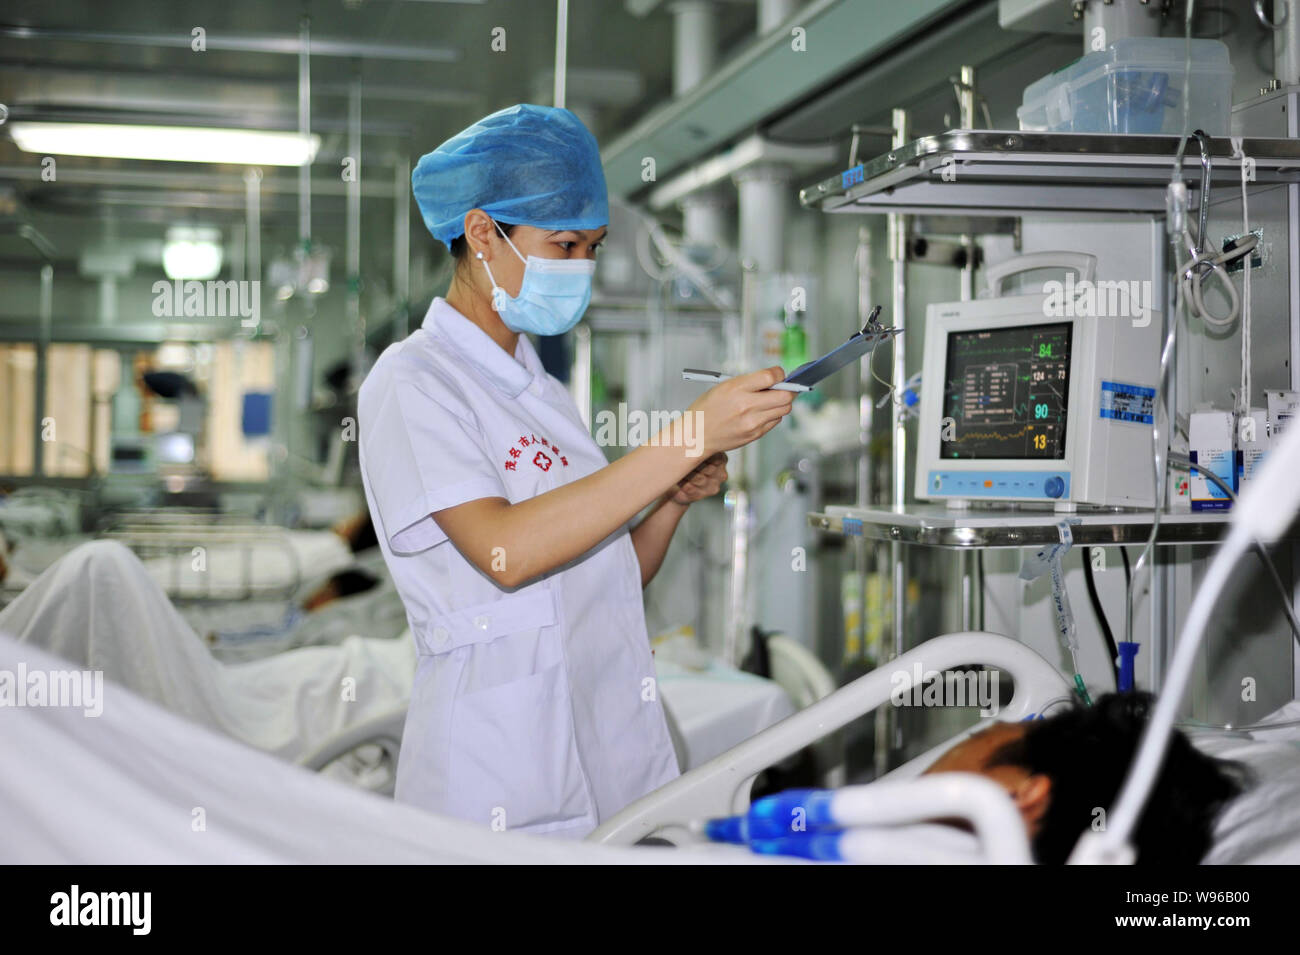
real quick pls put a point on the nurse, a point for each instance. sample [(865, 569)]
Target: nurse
[(507, 533)]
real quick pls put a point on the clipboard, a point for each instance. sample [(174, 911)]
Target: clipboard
[(806, 376)]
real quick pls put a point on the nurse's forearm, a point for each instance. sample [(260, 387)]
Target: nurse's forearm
[(515, 543), (653, 535)]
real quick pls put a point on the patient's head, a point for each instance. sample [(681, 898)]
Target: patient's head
[(358, 531), (345, 583), (1060, 770)]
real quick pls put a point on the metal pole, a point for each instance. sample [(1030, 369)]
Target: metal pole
[(42, 365), (561, 48), (304, 130), (695, 43), (966, 102), (580, 373), (253, 232), (898, 264), (402, 243), (966, 98), (355, 318), (1105, 21), (1286, 41), (738, 496), (866, 412)]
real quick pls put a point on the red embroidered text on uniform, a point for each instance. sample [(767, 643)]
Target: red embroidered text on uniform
[(542, 460)]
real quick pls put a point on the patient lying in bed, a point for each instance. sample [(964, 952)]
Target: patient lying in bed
[(98, 607), (1065, 772)]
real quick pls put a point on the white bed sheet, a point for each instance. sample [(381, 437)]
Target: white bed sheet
[(141, 785), (98, 608), (1262, 826), (718, 707)]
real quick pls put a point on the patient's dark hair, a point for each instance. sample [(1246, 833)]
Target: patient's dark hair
[(362, 536), (349, 582), (1086, 751)]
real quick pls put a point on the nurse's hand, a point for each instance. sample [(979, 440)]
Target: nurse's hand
[(740, 410), (704, 481)]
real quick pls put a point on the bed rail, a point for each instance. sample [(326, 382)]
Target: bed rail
[(195, 564), (722, 786)]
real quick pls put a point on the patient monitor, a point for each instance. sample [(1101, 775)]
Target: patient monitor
[(1048, 397)]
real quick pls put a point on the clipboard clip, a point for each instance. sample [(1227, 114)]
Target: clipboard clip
[(873, 326)]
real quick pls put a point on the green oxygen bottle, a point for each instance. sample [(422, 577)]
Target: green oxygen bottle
[(794, 342)]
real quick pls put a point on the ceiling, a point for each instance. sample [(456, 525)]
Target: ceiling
[(427, 68)]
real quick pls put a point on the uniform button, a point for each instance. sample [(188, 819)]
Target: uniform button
[(440, 635), (481, 622)]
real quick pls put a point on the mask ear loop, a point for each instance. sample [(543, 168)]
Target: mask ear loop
[(499, 296), (498, 293), (509, 243)]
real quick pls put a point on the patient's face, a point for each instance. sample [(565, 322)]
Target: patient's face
[(972, 754), (326, 593)]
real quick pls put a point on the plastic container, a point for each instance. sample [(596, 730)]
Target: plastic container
[(1134, 86)]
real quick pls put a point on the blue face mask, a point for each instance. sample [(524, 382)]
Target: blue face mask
[(552, 296)]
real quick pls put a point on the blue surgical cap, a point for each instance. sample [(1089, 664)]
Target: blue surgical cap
[(525, 165)]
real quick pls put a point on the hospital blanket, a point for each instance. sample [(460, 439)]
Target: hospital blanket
[(138, 784), (98, 608)]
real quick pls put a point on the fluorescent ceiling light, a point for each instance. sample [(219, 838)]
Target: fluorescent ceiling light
[(250, 147)]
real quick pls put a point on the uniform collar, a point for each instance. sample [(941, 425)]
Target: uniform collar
[(510, 375)]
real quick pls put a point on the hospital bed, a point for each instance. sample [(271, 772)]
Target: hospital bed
[(1252, 829), (204, 556), (40, 512), (168, 791), (211, 565)]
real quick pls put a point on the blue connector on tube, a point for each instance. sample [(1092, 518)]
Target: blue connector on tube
[(1127, 658), (788, 814)]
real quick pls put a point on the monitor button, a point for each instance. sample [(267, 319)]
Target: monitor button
[(1053, 487)]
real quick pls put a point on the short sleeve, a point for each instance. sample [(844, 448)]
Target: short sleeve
[(419, 458)]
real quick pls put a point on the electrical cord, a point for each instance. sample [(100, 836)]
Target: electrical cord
[(1100, 611)]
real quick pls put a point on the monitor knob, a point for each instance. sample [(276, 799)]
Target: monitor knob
[(1053, 486)]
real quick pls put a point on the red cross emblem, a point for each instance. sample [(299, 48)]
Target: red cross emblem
[(542, 461)]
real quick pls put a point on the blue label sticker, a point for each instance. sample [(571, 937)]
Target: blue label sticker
[(1122, 402), (851, 177)]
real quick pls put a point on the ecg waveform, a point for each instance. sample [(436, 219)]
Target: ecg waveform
[(1028, 429), (1005, 392)]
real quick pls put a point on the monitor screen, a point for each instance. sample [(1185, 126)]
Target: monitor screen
[(1006, 391)]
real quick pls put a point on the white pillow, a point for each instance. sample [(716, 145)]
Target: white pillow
[(1261, 826)]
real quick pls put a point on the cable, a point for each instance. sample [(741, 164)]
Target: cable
[(1148, 550), (1097, 608), (1199, 265), (1113, 843), (1247, 728), (1244, 398), (871, 366), (1260, 550)]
